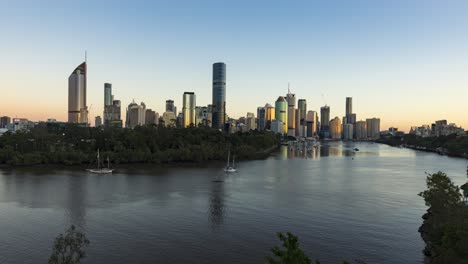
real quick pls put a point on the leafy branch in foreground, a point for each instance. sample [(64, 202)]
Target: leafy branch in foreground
[(69, 248)]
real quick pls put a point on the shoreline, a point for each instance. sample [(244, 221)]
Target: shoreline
[(441, 152)]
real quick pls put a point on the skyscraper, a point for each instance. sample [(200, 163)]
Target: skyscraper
[(219, 95), (97, 121), (261, 118), (250, 122), (373, 128), (291, 99), (135, 114), (348, 131), (269, 115), (349, 106), (170, 106), (282, 112), (312, 121), (335, 128), (324, 119), (188, 109), (361, 130), (77, 109), (107, 94)]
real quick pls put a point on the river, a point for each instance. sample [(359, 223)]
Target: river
[(342, 205)]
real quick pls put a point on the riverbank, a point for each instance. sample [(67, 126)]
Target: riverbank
[(147, 144), (452, 145)]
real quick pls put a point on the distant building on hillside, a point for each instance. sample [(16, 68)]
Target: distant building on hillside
[(373, 128)]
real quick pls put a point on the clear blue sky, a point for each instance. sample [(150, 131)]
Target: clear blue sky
[(403, 61)]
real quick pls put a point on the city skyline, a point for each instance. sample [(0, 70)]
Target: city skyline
[(405, 70)]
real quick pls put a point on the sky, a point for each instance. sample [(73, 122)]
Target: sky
[(405, 62)]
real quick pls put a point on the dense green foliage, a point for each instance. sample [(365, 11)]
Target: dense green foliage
[(151, 144), (291, 253), (452, 144), (445, 228), (69, 248)]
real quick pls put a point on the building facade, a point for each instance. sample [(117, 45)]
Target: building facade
[(77, 108), (281, 112), (291, 99), (335, 128), (136, 115), (219, 95), (361, 130), (325, 120), (188, 109), (269, 115), (373, 128), (4, 121), (348, 133)]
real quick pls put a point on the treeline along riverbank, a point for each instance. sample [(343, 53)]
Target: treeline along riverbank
[(452, 145), (74, 145)]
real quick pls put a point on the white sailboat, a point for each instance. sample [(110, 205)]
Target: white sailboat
[(228, 168), (101, 170)]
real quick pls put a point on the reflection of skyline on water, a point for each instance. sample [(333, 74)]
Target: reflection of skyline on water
[(216, 212)]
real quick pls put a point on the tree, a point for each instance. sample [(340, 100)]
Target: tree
[(69, 248), (291, 254), (441, 193)]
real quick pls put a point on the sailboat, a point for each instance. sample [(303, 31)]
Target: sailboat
[(101, 170), (228, 168)]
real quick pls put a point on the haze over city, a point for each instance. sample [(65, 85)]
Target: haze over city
[(403, 62)]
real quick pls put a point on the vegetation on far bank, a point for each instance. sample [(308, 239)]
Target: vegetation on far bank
[(74, 145), (452, 144)]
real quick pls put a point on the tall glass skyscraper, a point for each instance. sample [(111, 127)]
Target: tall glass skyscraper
[(77, 109), (188, 109), (107, 94), (349, 106), (324, 119), (282, 112), (219, 95)]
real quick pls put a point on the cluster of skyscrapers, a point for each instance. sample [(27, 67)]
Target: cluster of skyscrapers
[(284, 117)]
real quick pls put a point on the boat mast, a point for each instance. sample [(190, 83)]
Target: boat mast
[(229, 152), (98, 163), (108, 163), (233, 160)]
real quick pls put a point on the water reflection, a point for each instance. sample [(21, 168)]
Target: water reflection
[(216, 214)]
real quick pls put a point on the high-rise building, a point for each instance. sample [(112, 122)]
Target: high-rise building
[(170, 106), (4, 121), (335, 128), (219, 95), (277, 126), (373, 128), (112, 112), (107, 94), (269, 115), (361, 130), (188, 109), (135, 114), (77, 109), (291, 99), (97, 121), (349, 106), (250, 121), (261, 118), (201, 116), (312, 121), (151, 117), (301, 117), (348, 131), (169, 119), (282, 112), (324, 120)]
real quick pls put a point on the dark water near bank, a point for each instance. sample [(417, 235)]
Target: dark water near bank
[(342, 205)]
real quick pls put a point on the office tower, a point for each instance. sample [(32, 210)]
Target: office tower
[(250, 122), (135, 114), (107, 94), (298, 122), (349, 106), (261, 118), (348, 131), (373, 128), (269, 115), (169, 119), (170, 106), (277, 126), (219, 95), (188, 109), (302, 124), (311, 120), (335, 128), (201, 116), (4, 121), (151, 117), (97, 121), (324, 120), (77, 109), (291, 99), (282, 112), (361, 130)]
